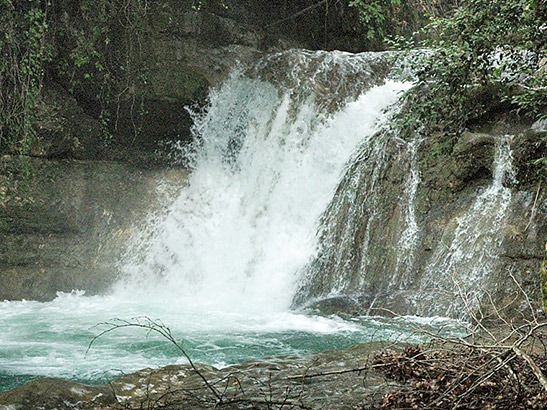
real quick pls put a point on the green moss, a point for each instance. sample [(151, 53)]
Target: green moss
[(187, 84)]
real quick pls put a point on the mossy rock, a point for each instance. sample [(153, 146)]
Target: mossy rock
[(543, 279), (175, 80), (64, 130)]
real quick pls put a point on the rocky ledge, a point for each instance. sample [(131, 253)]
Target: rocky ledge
[(334, 379)]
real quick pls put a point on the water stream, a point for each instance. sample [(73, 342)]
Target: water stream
[(457, 276), (220, 265)]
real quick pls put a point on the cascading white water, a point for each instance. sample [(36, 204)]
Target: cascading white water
[(408, 242), (263, 172), (220, 266), (459, 268)]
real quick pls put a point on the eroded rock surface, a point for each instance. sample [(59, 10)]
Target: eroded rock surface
[(65, 224), (399, 230), (325, 380)]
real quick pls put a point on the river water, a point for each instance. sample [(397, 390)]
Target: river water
[(221, 262)]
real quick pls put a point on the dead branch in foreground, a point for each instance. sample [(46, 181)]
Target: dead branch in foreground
[(466, 378), (490, 369), (221, 397), (494, 367)]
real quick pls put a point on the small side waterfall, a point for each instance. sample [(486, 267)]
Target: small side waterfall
[(371, 238), (458, 274), (409, 240)]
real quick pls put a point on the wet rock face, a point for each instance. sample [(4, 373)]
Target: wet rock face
[(253, 385), (49, 394), (361, 224), (64, 130), (364, 254), (446, 202), (448, 169), (66, 219), (183, 53), (334, 78)]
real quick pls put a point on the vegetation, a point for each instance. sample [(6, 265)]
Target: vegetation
[(503, 368), (488, 55), (471, 377), (382, 19), (24, 53), (89, 47), (374, 14)]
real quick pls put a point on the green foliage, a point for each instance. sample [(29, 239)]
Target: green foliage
[(99, 52), (96, 45), (374, 14), (489, 55), (386, 19), (24, 53)]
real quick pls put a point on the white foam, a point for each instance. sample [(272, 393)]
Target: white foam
[(221, 265)]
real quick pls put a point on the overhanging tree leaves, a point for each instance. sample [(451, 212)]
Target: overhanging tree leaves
[(488, 54)]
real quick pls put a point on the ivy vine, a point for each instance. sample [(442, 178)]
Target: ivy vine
[(24, 52), (85, 38)]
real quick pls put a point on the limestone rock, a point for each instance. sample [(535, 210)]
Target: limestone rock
[(251, 385), (66, 219)]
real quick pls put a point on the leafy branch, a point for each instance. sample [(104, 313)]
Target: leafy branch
[(487, 54)]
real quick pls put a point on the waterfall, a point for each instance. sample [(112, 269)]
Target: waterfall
[(458, 274), (267, 158), (369, 232), (409, 240)]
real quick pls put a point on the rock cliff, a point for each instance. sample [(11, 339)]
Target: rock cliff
[(434, 227)]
